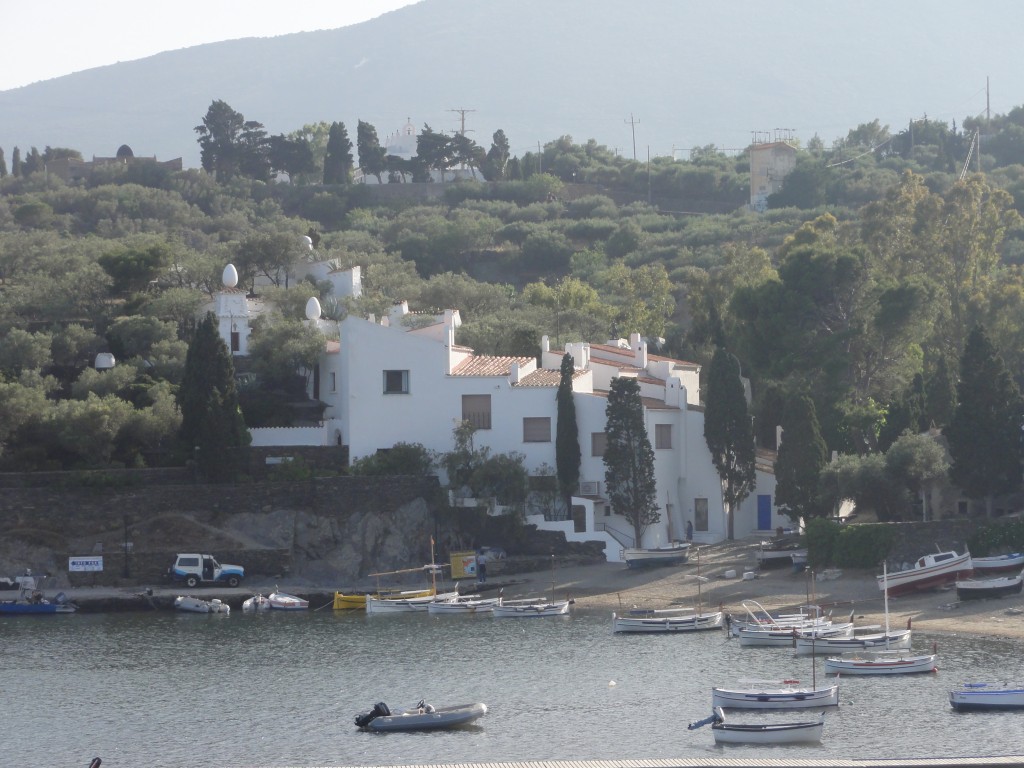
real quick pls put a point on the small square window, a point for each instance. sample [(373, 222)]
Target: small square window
[(396, 382), (537, 429)]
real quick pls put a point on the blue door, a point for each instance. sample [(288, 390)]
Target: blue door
[(764, 512)]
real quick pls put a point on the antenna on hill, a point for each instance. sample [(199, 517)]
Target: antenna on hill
[(462, 119), (632, 124)]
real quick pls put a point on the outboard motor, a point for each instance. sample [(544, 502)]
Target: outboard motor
[(380, 709)]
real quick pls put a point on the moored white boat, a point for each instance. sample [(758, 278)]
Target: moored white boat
[(422, 717), (1013, 561), (282, 601), (997, 586), (191, 604), (986, 696), (530, 608), (786, 637), (929, 571), (405, 605), (464, 604), (776, 695), (666, 620), (256, 603), (757, 617), (882, 663), (885, 662), (675, 553), (875, 641), (726, 732)]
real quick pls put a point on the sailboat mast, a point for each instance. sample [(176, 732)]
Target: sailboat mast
[(885, 592)]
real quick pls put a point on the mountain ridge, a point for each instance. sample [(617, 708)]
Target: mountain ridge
[(688, 73)]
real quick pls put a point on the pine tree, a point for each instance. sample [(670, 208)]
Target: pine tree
[(802, 455), (338, 158), (629, 458), (729, 433), (211, 420), (567, 439), (16, 162), (984, 435), (3, 164)]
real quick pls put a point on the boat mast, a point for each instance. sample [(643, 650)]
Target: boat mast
[(885, 592)]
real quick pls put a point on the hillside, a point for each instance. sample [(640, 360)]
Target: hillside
[(688, 74)]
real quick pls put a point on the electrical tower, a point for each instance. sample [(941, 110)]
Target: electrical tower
[(462, 119)]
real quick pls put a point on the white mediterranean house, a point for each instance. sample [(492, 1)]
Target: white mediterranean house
[(404, 379), (412, 383)]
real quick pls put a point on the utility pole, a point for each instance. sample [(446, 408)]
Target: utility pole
[(462, 119), (632, 124)]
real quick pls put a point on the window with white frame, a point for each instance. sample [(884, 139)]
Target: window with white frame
[(396, 382), (536, 429), (662, 435)]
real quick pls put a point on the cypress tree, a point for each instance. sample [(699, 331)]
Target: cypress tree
[(802, 455), (629, 458), (338, 157), (984, 434), (729, 433), (211, 420), (567, 439)]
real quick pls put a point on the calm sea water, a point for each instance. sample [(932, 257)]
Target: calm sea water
[(166, 689)]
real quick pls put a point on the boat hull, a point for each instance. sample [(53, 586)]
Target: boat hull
[(14, 608), (656, 556), (195, 605), (786, 638), (976, 697), (530, 610), (898, 665), (999, 563), (897, 641), (690, 623), (979, 589), (440, 718), (461, 606), (779, 733), (929, 572), (775, 698), (405, 605), (279, 601)]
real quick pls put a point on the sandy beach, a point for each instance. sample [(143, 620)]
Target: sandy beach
[(612, 586)]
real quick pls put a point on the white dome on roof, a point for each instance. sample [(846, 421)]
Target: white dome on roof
[(313, 310), (230, 276)]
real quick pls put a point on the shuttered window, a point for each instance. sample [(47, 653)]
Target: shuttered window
[(476, 409), (662, 435), (537, 429)]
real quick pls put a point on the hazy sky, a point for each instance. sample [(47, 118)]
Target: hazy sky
[(51, 38)]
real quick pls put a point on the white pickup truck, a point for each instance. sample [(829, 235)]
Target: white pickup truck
[(195, 569)]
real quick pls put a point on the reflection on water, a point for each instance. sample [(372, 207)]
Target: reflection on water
[(167, 689)]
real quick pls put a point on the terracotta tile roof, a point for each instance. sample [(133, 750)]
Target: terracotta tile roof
[(487, 365), (332, 347), (627, 351), (541, 378)]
